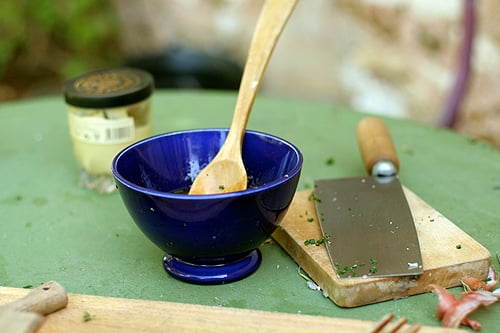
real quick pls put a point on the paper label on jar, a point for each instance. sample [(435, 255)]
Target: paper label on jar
[(101, 130)]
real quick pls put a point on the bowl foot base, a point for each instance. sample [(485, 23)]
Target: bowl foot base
[(218, 272)]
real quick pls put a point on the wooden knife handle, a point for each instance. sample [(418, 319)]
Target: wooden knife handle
[(375, 143), (45, 299)]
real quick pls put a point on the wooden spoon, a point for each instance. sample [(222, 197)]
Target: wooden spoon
[(226, 172)]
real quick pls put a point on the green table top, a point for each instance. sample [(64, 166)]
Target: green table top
[(51, 229)]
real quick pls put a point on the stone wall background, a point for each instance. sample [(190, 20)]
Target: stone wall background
[(394, 57)]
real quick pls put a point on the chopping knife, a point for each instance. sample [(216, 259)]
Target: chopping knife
[(366, 221), (27, 314)]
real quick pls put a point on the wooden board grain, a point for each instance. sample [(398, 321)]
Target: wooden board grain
[(19, 322), (448, 254), (110, 315)]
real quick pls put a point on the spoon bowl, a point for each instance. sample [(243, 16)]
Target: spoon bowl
[(207, 239)]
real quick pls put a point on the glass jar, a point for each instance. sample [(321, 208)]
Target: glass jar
[(107, 111)]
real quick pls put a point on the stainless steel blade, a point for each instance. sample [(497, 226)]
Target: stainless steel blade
[(369, 225)]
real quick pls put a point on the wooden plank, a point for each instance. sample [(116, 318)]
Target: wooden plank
[(125, 315), (19, 322), (25, 314), (448, 254)]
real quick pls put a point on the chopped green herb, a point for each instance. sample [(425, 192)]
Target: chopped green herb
[(313, 197), (348, 269), (303, 275), (407, 150), (182, 190), (87, 316), (28, 286), (330, 161), (221, 187), (310, 219), (322, 240), (318, 242), (309, 241), (473, 140), (373, 269), (458, 247)]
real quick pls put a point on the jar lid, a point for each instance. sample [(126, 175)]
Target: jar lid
[(109, 88)]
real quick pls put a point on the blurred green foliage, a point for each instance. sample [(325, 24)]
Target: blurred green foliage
[(62, 38)]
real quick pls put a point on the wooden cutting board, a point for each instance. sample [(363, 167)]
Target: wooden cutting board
[(106, 314), (448, 254)]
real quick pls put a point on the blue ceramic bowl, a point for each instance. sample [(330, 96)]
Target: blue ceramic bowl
[(207, 239)]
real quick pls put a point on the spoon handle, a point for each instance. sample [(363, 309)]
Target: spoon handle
[(44, 299), (272, 20)]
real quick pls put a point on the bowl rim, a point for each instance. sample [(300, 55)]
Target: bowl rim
[(249, 191)]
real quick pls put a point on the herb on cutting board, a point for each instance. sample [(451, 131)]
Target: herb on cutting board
[(309, 218), (318, 242), (310, 242), (87, 316), (313, 197)]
